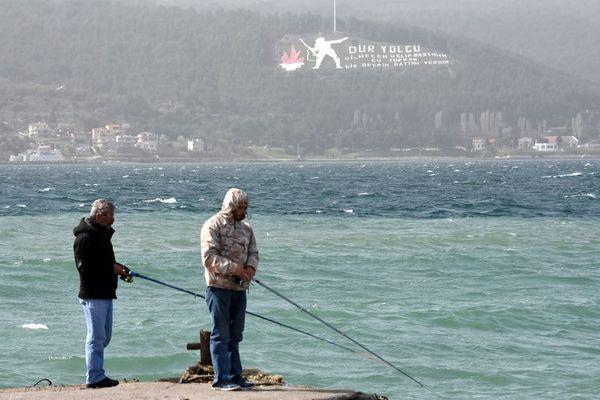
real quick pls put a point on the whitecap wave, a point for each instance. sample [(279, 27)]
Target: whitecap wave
[(21, 205), (588, 195), (46, 189), (51, 358), (34, 326), (349, 211), (563, 175), (567, 175), (170, 200), (364, 194)]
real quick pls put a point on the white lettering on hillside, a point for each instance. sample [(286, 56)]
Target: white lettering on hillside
[(346, 53)]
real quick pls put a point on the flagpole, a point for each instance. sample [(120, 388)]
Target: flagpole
[(334, 18)]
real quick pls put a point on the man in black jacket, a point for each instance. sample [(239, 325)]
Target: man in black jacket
[(98, 270)]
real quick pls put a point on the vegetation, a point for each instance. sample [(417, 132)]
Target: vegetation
[(561, 34), (215, 75)]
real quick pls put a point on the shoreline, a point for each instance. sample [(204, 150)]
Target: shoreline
[(177, 160), (190, 391)]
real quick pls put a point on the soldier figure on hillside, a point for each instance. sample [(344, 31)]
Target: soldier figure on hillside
[(323, 48)]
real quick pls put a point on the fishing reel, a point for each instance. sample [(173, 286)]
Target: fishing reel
[(127, 277)]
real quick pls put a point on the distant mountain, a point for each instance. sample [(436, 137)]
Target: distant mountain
[(216, 75)]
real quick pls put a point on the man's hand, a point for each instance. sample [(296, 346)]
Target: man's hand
[(121, 269), (250, 271), (123, 272), (245, 272)]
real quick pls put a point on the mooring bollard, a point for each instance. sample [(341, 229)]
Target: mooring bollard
[(203, 346)]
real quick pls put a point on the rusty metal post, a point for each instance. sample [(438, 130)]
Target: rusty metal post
[(205, 358), (203, 346)]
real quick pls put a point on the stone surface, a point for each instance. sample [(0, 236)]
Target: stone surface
[(176, 391)]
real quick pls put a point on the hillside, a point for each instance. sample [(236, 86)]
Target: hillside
[(216, 75), (558, 33)]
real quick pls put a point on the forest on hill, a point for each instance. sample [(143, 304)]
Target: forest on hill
[(216, 75), (560, 34)]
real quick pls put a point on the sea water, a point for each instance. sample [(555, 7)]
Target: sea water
[(477, 278)]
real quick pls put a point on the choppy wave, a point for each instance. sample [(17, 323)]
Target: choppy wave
[(564, 175), (170, 200), (588, 195), (418, 189), (34, 326)]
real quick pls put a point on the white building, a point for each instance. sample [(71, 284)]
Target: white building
[(569, 141), (125, 142), (82, 138), (147, 141), (546, 147), (478, 144), (105, 138), (39, 129), (525, 143), (196, 145), (41, 154)]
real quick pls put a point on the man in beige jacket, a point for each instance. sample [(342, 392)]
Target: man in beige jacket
[(230, 259)]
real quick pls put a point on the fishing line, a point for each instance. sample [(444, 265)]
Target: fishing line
[(344, 335), (133, 273)]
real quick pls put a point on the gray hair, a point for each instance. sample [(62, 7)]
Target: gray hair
[(101, 206)]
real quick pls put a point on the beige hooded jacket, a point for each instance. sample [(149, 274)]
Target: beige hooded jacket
[(227, 244)]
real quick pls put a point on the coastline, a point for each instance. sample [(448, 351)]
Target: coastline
[(181, 160), (189, 391)]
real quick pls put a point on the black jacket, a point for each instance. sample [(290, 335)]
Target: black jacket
[(94, 258)]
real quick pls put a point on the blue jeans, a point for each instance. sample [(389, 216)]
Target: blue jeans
[(228, 312), (98, 317)]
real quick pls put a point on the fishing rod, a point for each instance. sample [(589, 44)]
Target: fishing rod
[(133, 273), (344, 335)]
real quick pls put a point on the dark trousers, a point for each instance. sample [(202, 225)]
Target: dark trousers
[(228, 312)]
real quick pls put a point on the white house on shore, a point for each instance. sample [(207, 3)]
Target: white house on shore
[(478, 144), (195, 145), (39, 129), (41, 154), (525, 143), (147, 141), (569, 141), (125, 142), (546, 147)]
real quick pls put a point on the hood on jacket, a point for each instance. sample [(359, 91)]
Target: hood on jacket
[(87, 225), (232, 198)]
